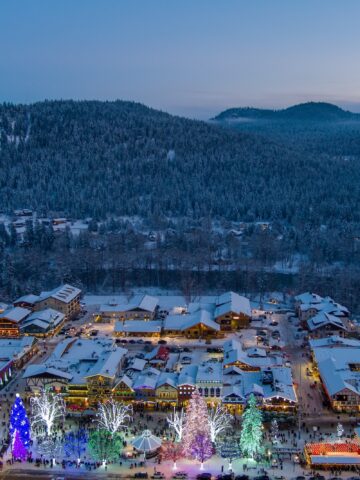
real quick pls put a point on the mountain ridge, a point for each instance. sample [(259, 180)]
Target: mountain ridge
[(308, 111)]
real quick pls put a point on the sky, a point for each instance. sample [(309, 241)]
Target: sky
[(188, 57)]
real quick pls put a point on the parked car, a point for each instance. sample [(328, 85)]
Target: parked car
[(162, 342)]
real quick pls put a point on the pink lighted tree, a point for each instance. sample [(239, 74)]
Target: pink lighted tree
[(197, 423)]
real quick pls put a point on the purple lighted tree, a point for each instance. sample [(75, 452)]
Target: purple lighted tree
[(201, 449), (19, 452)]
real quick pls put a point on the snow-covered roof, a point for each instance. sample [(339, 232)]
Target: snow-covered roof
[(44, 319), (36, 370), (82, 358), (308, 297), (65, 293), (209, 373), (188, 375), (232, 302), (269, 384), (183, 322), (145, 303), (15, 314), (335, 368), (30, 298), (334, 341), (15, 348), (138, 326), (323, 319)]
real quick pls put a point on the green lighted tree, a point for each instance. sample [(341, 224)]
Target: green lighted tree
[(251, 429), (105, 447)]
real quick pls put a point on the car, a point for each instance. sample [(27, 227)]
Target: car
[(203, 476), (148, 342), (225, 476), (242, 477), (180, 475), (162, 342), (158, 475), (132, 341), (274, 323), (140, 340), (275, 347), (186, 349), (123, 340)]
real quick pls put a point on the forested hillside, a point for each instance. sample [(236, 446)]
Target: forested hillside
[(122, 158)]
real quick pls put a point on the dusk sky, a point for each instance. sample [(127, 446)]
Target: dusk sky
[(190, 57)]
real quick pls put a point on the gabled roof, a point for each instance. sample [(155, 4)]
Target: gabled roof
[(184, 322), (323, 319), (39, 370), (15, 314), (145, 303), (232, 302)]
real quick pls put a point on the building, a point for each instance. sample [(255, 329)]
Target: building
[(139, 308), (272, 386), (43, 323), (10, 321), (252, 359), (186, 384), (64, 299), (166, 392), (199, 324), (138, 328), (339, 371), (14, 353), (85, 371), (336, 454), (307, 305), (324, 323), (232, 312), (209, 381)]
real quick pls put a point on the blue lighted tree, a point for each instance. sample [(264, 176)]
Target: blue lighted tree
[(19, 422), (75, 443)]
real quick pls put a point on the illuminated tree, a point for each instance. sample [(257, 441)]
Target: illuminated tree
[(219, 421), (176, 421), (113, 415), (105, 447), (339, 431), (197, 422), (274, 431), (251, 429), (75, 443), (201, 449), (46, 409), (172, 451), (19, 422), (19, 452), (50, 447)]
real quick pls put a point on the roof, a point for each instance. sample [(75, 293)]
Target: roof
[(145, 303), (188, 375), (65, 293), (36, 370), (15, 348), (308, 297), (334, 341), (232, 302), (138, 326), (269, 384), (323, 319), (183, 322), (47, 319), (334, 365), (82, 358), (15, 314), (30, 298)]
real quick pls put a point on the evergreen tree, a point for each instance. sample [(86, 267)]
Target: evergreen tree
[(105, 447), (19, 422), (251, 429), (19, 452), (196, 423)]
